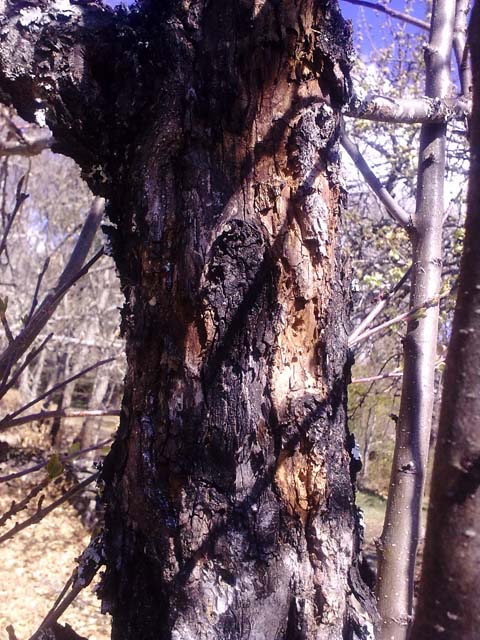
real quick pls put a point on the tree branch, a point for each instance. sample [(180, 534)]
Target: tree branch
[(89, 562), (64, 413), (408, 315), (16, 507), (21, 141), (62, 459), (378, 308), (407, 110), (6, 422), (405, 17), (395, 211), (4, 387), (70, 274), (41, 513), (20, 198)]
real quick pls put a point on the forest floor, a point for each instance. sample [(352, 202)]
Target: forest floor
[(34, 567), (36, 563)]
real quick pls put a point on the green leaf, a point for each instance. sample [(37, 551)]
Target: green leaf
[(54, 466), (421, 313), (74, 447)]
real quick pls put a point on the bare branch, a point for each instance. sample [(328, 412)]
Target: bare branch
[(16, 507), (6, 326), (19, 200), (64, 413), (41, 513), (407, 110), (384, 376), (391, 374), (37, 289), (396, 212), (405, 17), (68, 278), (62, 459), (89, 562), (84, 241), (6, 422), (21, 140), (29, 358), (408, 315), (378, 308)]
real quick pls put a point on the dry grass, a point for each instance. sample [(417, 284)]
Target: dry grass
[(34, 566), (36, 563)]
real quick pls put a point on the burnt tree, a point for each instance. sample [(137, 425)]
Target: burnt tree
[(211, 128)]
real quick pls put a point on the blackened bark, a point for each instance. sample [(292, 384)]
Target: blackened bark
[(448, 607), (230, 510)]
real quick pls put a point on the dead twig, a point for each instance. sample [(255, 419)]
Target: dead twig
[(70, 275), (62, 460), (4, 387), (378, 308), (89, 562), (382, 8), (400, 318), (42, 513), (19, 200), (6, 422), (16, 507)]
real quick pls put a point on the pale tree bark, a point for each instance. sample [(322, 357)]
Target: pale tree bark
[(398, 544), (212, 129), (461, 48), (87, 436), (427, 109), (448, 600)]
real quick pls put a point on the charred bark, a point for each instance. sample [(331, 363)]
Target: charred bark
[(230, 507)]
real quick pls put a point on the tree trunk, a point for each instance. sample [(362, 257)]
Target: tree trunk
[(448, 600), (229, 501), (397, 547), (230, 506)]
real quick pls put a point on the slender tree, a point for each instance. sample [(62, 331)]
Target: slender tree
[(448, 606), (399, 540)]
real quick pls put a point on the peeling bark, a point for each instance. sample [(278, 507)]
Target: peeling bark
[(230, 507)]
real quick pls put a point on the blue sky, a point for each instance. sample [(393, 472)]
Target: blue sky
[(377, 21), (353, 12)]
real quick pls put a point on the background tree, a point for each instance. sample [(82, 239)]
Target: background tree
[(399, 540), (451, 572)]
